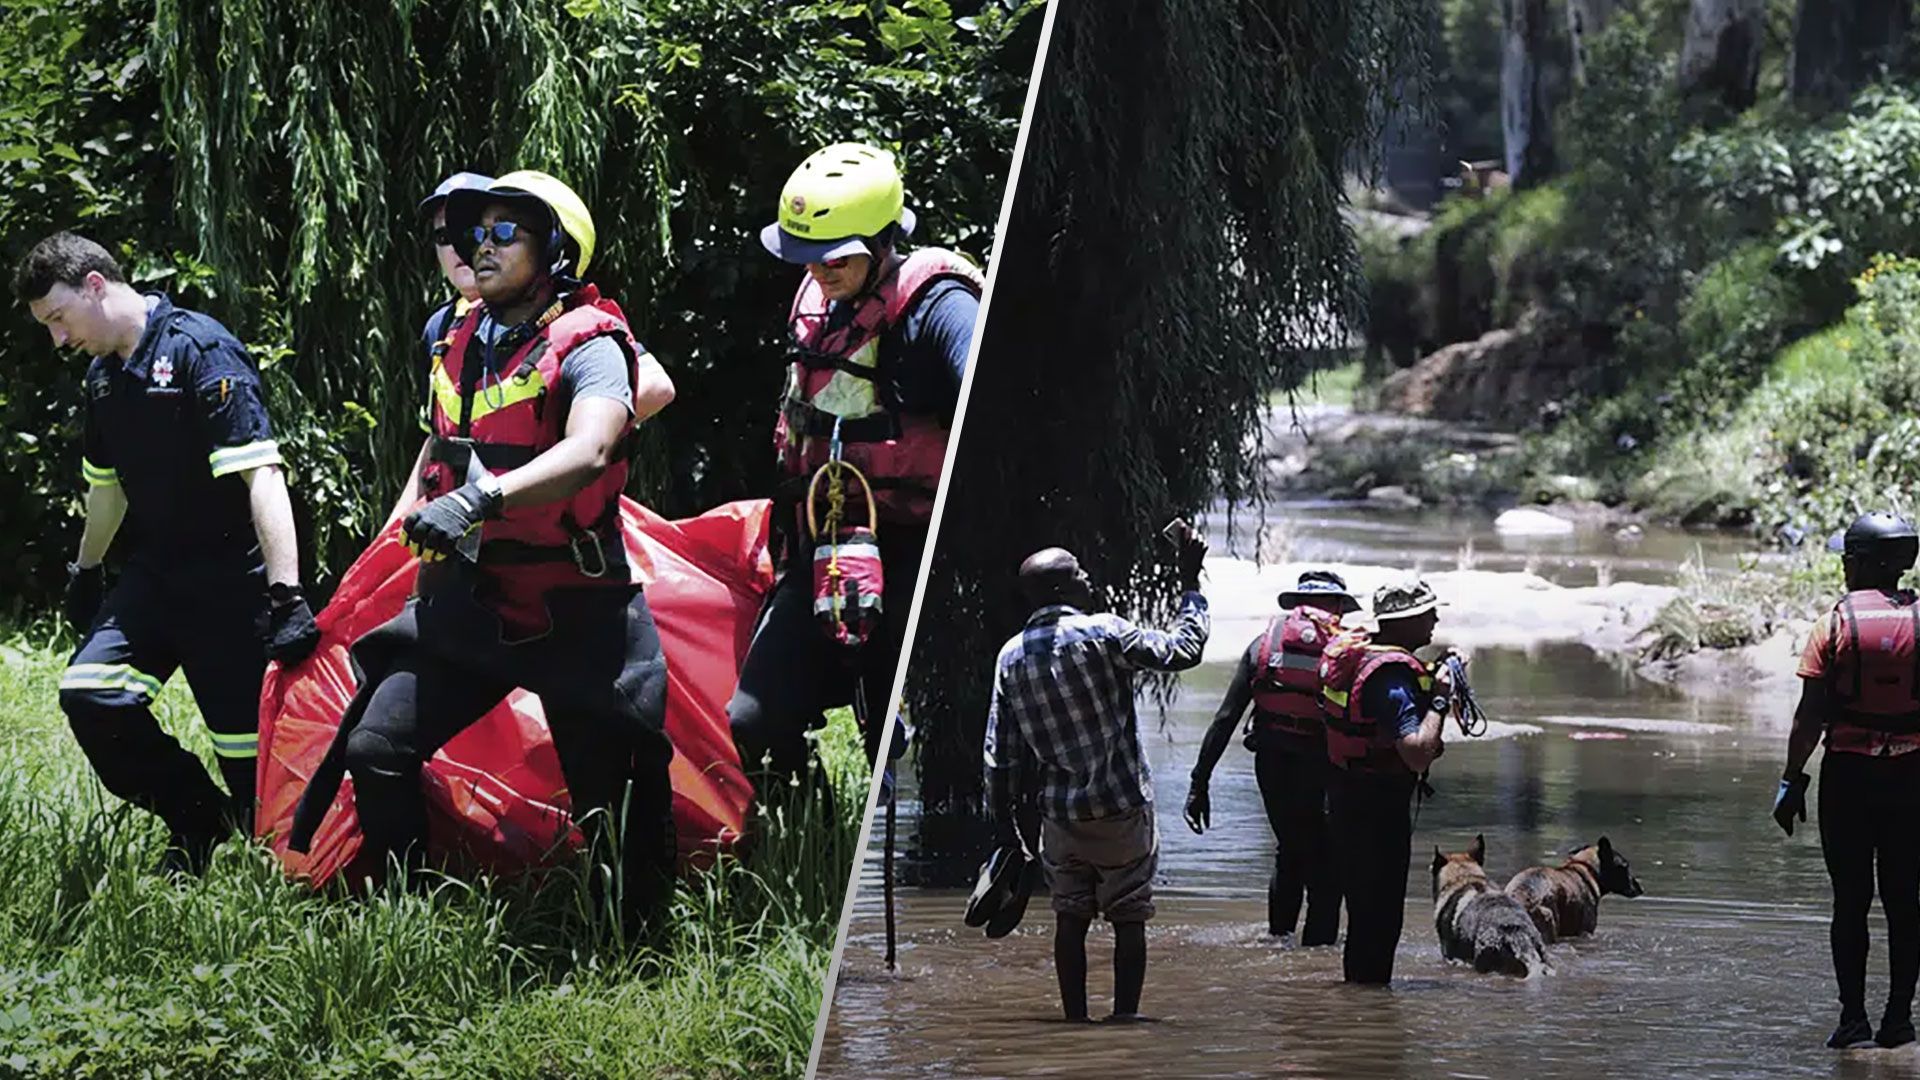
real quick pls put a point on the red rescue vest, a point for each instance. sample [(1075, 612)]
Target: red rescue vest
[(838, 378), (1286, 672), (501, 422), (1875, 674), (1355, 740)]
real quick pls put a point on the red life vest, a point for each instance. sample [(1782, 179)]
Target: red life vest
[(1355, 740), (500, 423), (838, 377), (1286, 672), (1875, 673)]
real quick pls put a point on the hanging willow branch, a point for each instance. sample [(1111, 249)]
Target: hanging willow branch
[(1176, 245)]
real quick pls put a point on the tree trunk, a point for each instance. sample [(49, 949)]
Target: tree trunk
[(1585, 20), (1524, 119), (1720, 59), (1841, 45)]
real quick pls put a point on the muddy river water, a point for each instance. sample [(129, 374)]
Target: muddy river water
[(1721, 968)]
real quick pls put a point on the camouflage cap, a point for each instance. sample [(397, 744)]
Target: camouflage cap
[(1404, 600)]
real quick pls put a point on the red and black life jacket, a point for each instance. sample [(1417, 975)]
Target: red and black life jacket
[(1286, 673), (500, 420), (1355, 740), (838, 378), (1875, 673)]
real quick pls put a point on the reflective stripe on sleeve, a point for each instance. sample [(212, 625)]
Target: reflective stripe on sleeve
[(233, 459), (97, 476)]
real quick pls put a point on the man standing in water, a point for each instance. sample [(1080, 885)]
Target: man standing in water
[(1279, 675), (1385, 713), (1062, 729), (1860, 684)]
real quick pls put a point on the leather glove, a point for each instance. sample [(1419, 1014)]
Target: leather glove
[(1199, 810), (292, 635), (1791, 801), (86, 589), (434, 531), (1193, 554)]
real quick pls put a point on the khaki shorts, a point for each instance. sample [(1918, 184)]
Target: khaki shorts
[(1104, 866)]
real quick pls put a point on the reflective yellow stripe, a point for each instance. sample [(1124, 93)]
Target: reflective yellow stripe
[(233, 459), (110, 677), (492, 399), (1338, 697), (445, 392), (236, 746), (97, 476)]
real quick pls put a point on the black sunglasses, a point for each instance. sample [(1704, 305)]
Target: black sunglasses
[(501, 233), (442, 236)]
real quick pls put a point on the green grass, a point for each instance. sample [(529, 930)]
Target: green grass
[(106, 971)]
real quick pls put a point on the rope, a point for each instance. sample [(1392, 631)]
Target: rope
[(1466, 708)]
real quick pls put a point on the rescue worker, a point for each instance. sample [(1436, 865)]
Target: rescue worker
[(525, 580), (1062, 733), (1385, 711), (181, 466), (1279, 674), (433, 210), (879, 341), (1860, 685)]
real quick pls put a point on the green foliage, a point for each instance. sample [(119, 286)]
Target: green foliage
[(1739, 314), (106, 971), (1175, 245), (283, 149)]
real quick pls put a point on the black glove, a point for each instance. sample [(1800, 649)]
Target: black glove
[(1199, 810), (1791, 801), (1193, 554), (435, 530), (292, 634), (86, 588)]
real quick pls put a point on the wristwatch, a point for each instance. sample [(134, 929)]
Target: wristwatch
[(489, 486), (280, 593)]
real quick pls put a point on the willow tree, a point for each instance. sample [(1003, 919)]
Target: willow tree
[(305, 134), (1175, 246)]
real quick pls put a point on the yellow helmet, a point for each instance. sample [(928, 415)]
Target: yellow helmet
[(837, 198), (568, 213)]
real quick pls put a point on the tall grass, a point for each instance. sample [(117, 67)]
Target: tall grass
[(108, 971)]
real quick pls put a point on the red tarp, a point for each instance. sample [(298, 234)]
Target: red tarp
[(495, 793)]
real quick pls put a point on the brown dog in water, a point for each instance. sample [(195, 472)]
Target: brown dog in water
[(1477, 922), (1564, 901)]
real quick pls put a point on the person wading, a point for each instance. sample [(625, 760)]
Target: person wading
[(1279, 675), (1860, 685), (524, 579), (181, 465), (1385, 711), (878, 343), (1062, 732), (439, 325)]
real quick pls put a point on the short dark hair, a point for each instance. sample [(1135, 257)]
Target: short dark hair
[(62, 259)]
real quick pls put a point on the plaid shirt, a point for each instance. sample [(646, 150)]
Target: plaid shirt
[(1063, 708)]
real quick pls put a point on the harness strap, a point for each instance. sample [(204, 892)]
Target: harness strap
[(819, 423), (1853, 633)]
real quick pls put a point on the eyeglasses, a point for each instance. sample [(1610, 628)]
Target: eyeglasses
[(839, 263), (501, 233)]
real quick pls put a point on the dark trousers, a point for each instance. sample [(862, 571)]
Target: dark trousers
[(208, 621), (1372, 830), (794, 672), (1293, 784), (602, 684), (1870, 828)]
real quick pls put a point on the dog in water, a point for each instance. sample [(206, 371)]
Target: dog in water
[(1477, 922), (1564, 901)]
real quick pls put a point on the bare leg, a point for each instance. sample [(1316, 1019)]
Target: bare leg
[(1070, 962)]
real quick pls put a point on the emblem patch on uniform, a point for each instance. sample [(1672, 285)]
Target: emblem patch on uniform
[(163, 371), (799, 204), (99, 388)]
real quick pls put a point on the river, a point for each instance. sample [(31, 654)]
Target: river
[(1721, 969)]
